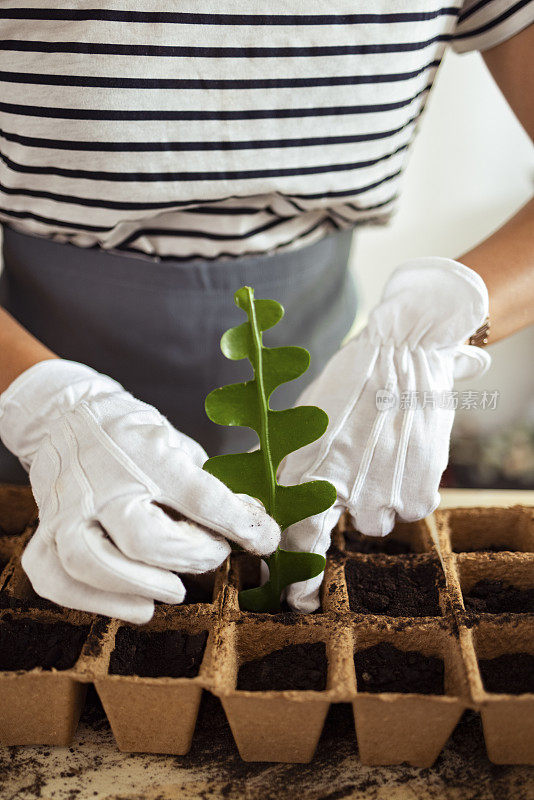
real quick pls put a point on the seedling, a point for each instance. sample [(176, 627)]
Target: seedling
[(279, 432)]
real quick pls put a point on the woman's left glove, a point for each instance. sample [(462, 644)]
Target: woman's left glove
[(99, 460), (388, 396)]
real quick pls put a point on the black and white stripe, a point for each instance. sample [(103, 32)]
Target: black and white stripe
[(214, 133)]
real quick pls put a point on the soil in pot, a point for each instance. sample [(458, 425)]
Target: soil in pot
[(198, 589), (489, 548), (512, 673), (359, 543), (29, 603), (27, 643), (384, 668), (498, 597), (396, 588), (297, 666), (157, 654)]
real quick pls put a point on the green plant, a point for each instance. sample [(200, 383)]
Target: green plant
[(279, 432)]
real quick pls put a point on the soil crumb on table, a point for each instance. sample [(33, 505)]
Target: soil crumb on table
[(512, 673), (93, 768), (356, 542), (26, 644), (498, 597), (394, 588), (297, 666), (384, 668), (157, 654)]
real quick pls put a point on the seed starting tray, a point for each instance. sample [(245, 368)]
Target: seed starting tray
[(462, 545)]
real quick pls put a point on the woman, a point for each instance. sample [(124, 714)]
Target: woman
[(152, 163)]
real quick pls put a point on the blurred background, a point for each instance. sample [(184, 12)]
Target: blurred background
[(471, 168)]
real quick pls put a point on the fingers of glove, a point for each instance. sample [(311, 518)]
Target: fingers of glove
[(426, 459), (205, 499), (41, 564), (88, 555), (304, 596), (376, 492), (371, 500), (425, 439), (373, 520), (145, 533), (312, 535)]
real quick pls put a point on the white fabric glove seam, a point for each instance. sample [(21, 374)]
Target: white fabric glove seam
[(87, 498), (367, 455), (55, 458), (400, 460), (402, 449), (116, 452), (330, 435)]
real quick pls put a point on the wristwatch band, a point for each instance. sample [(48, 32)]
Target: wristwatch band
[(480, 337)]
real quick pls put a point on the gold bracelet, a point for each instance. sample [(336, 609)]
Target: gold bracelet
[(481, 335)]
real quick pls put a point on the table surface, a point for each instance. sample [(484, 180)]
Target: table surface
[(93, 767)]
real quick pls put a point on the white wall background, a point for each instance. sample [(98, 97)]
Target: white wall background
[(471, 168)]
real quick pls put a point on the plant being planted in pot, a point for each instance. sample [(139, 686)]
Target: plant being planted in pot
[(279, 432)]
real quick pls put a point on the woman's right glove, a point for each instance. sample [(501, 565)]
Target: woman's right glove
[(98, 461), (389, 398)]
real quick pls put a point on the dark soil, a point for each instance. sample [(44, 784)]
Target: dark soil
[(356, 542), (384, 668), (490, 548), (198, 589), (33, 601), (26, 644), (3, 563), (395, 588), (157, 654), (498, 597), (14, 531), (297, 666), (512, 673)]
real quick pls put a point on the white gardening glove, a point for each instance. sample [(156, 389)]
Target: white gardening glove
[(383, 458), (98, 459)]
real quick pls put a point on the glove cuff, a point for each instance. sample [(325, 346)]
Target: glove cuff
[(42, 394), (430, 302)]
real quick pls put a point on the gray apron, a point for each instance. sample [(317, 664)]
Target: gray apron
[(155, 325)]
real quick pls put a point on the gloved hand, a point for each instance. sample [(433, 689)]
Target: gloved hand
[(385, 458), (97, 460)]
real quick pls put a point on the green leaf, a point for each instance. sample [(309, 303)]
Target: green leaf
[(285, 567), (280, 433)]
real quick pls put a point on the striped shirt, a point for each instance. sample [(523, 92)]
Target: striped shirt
[(192, 129)]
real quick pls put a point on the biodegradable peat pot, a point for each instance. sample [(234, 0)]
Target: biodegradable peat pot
[(405, 538), (496, 584), (507, 719), (157, 714), (277, 725), (42, 704), (486, 530), (393, 727)]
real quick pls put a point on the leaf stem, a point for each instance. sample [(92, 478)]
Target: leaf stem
[(263, 404)]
